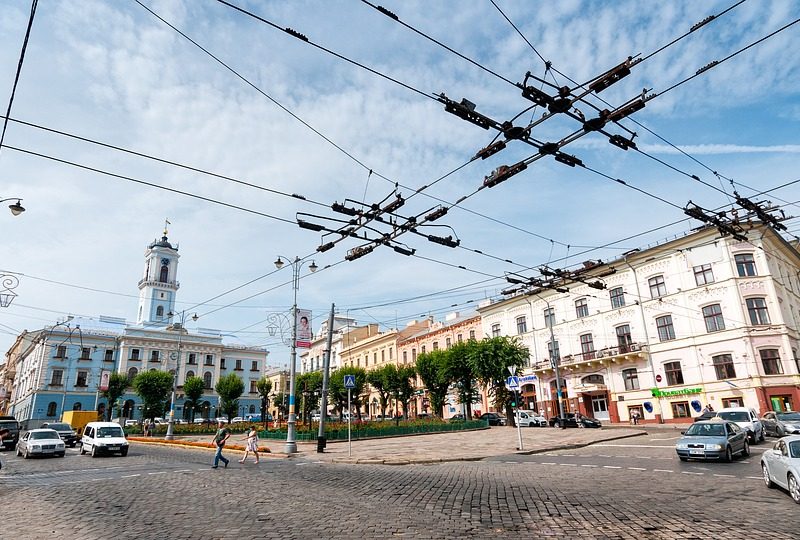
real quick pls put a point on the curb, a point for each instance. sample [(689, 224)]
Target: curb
[(195, 445), (577, 445)]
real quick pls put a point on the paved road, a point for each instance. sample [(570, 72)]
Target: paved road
[(628, 489)]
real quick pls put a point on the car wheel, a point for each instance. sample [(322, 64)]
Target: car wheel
[(61, 455), (94, 451), (746, 449), (83, 452), (72, 445), (762, 437), (683, 458), (765, 474), (794, 488), (728, 455), (25, 454), (124, 452), (779, 432), (557, 424), (18, 452)]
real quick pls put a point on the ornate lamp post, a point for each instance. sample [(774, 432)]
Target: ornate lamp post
[(8, 282), (177, 357), (15, 208), (297, 263)]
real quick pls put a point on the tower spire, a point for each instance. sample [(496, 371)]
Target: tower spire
[(166, 224)]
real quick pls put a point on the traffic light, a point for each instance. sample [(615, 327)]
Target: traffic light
[(513, 402)]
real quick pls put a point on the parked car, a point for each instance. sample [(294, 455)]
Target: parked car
[(103, 438), (423, 415), (65, 431), (457, 418), (41, 442), (781, 423), (10, 439), (747, 419), (237, 419), (571, 421), (713, 439), (160, 421), (494, 419), (130, 422), (781, 466), (221, 419), (202, 421), (530, 419)]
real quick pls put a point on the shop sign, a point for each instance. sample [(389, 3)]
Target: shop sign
[(672, 393)]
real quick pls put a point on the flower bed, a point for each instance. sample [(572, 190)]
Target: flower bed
[(196, 444), (365, 430)]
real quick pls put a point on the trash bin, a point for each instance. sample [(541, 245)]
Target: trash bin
[(320, 445)]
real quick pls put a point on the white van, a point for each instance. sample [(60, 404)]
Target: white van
[(747, 419), (103, 438)]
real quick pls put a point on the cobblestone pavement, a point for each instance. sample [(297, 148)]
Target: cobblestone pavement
[(169, 493)]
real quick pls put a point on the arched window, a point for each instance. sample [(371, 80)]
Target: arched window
[(76, 406), (132, 373), (164, 273), (51, 408), (127, 408), (189, 374), (252, 409), (207, 379), (160, 311), (593, 379)]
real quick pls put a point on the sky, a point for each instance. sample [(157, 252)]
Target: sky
[(350, 116)]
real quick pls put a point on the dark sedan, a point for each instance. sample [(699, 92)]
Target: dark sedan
[(571, 421), (494, 419), (64, 431)]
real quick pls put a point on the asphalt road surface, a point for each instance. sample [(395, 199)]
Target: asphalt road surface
[(635, 488)]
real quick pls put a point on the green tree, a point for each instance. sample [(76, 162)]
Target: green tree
[(308, 388), (338, 393), (229, 388), (399, 382), (491, 360), (432, 369), (281, 403), (117, 384), (154, 388), (193, 388), (460, 372), (264, 387), (377, 380)]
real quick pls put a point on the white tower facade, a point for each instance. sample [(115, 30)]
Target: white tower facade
[(159, 284)]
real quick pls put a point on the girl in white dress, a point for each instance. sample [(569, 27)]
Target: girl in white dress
[(251, 445)]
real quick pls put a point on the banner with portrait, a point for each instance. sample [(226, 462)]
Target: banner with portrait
[(304, 334)]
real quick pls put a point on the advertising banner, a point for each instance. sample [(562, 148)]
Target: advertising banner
[(303, 328), (104, 376)]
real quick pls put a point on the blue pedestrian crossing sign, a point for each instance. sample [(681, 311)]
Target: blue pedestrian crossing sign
[(512, 382), (349, 381)]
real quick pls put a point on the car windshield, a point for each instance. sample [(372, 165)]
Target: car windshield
[(786, 416), (735, 416), (60, 427), (706, 430), (106, 432), (8, 424), (45, 435), (794, 449)]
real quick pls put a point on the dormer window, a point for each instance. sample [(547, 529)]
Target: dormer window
[(160, 312)]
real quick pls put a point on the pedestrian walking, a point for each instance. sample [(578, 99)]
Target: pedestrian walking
[(251, 445), (219, 441), (635, 417), (146, 428)]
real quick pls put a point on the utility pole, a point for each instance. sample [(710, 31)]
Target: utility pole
[(326, 367)]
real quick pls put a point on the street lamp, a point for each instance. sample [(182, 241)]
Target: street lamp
[(297, 263), (70, 331), (177, 357), (15, 208), (8, 282)]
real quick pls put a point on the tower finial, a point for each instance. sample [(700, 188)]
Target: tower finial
[(166, 223)]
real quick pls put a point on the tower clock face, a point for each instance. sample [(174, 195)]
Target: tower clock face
[(164, 262), (173, 356)]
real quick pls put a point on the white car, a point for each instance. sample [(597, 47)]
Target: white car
[(41, 442), (781, 466), (747, 419), (130, 422), (104, 438), (237, 419), (530, 419)]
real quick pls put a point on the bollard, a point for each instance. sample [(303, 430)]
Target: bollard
[(321, 443)]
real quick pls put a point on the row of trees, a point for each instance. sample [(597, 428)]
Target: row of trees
[(463, 367)]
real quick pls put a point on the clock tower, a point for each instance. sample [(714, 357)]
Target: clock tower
[(159, 284)]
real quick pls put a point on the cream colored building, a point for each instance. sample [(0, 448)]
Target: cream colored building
[(694, 321)]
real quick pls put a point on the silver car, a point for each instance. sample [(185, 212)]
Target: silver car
[(41, 442), (781, 466), (781, 423), (713, 439)]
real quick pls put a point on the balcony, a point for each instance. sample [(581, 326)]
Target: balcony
[(614, 354), (157, 283)]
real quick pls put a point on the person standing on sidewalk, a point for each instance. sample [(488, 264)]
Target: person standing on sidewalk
[(251, 444), (219, 440)]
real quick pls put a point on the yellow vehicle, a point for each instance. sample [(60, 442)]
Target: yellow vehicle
[(79, 419)]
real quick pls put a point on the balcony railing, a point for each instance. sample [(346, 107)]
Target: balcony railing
[(606, 352), (157, 283)]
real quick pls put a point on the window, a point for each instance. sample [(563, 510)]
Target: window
[(703, 274), (414, 355), (745, 265), (587, 347), (522, 325), (681, 409), (552, 350), (713, 316), (723, 365), (209, 360), (82, 378), (252, 408), (624, 338), (61, 351), (238, 364), (132, 373), (495, 330), (222, 363), (253, 387), (55, 378), (391, 353), (731, 402), (84, 354), (109, 357), (164, 274), (447, 343), (593, 379), (155, 356), (135, 354), (52, 408), (374, 359), (666, 331), (757, 308), (657, 286), (771, 360), (796, 359), (192, 358), (617, 297), (254, 365), (631, 378), (460, 338), (207, 379), (435, 345), (581, 308), (422, 350), (674, 373), (189, 374), (405, 357), (549, 317), (472, 334), (160, 312)]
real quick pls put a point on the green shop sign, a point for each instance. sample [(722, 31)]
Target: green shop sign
[(669, 393)]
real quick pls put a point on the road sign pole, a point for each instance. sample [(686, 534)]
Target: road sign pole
[(349, 419), (519, 428)]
